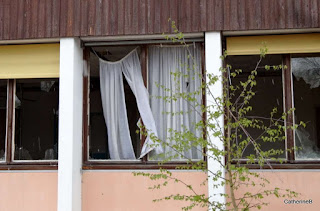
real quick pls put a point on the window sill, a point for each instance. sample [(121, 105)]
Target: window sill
[(96, 165), (306, 164), (29, 166)]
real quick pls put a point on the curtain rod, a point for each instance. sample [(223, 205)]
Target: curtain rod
[(139, 42)]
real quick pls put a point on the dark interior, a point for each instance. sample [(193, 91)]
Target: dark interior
[(3, 112), (36, 119)]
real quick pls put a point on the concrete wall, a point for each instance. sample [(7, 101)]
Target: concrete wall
[(305, 182), (28, 190), (121, 191)]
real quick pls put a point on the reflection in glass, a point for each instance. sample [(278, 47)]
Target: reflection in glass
[(36, 119), (306, 90)]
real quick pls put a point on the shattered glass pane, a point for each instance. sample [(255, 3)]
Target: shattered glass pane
[(308, 69), (46, 85), (306, 90)]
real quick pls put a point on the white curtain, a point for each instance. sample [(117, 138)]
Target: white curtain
[(171, 71), (114, 106)]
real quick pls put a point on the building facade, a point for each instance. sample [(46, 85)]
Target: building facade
[(53, 149)]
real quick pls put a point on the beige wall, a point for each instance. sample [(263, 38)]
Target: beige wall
[(121, 191), (305, 182), (28, 191)]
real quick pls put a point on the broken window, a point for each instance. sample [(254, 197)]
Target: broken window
[(100, 144), (268, 96), (306, 91)]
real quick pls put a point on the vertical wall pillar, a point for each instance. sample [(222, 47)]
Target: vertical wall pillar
[(70, 125), (213, 52)]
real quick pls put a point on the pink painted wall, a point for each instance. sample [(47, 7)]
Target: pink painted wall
[(307, 183), (121, 191), (28, 191)]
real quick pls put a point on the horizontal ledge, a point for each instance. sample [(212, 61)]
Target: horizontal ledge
[(270, 31), (139, 42), (136, 37), (30, 41), (310, 165), (29, 167), (135, 165), (127, 167)]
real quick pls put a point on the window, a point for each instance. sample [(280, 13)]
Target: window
[(104, 143), (29, 120), (295, 87), (300, 90), (269, 95), (29, 103), (306, 100)]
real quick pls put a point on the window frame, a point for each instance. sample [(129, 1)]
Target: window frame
[(9, 163), (290, 161), (142, 163)]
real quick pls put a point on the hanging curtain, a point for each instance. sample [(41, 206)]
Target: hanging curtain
[(171, 71), (114, 105)]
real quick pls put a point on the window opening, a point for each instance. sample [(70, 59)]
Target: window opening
[(36, 119), (269, 95), (98, 145), (98, 133), (306, 91)]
